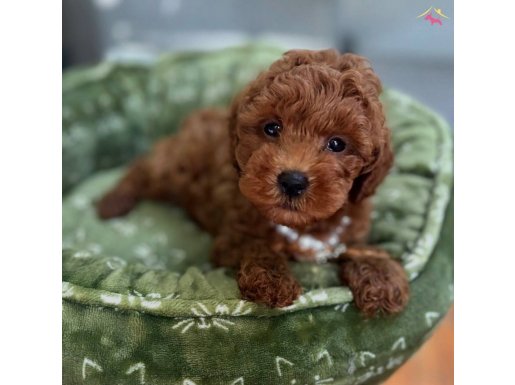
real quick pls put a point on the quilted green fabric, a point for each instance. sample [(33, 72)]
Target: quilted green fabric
[(141, 302)]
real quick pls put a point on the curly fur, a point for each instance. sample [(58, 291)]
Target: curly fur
[(223, 169)]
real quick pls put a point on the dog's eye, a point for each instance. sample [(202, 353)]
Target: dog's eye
[(336, 144), (272, 129)]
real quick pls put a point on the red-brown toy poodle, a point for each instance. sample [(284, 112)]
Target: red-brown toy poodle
[(287, 172)]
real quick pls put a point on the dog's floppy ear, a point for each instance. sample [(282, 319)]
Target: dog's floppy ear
[(360, 81), (371, 177), (369, 83)]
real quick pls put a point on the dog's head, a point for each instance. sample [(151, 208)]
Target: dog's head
[(308, 135)]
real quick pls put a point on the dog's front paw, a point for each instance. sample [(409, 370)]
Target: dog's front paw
[(115, 204), (379, 285), (268, 283)]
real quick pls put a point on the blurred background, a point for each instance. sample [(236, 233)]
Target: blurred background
[(407, 52)]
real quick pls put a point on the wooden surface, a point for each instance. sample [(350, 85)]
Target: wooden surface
[(433, 364)]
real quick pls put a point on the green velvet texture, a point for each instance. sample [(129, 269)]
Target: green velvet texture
[(331, 342), (142, 304)]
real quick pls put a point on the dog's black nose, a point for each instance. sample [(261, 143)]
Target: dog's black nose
[(293, 183)]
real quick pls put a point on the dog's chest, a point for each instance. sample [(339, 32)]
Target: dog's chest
[(311, 246)]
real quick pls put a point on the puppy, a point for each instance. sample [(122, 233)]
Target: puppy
[(287, 172)]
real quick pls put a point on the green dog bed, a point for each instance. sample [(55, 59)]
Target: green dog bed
[(143, 305)]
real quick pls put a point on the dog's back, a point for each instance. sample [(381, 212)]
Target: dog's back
[(194, 167)]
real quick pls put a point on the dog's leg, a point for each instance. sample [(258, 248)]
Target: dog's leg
[(378, 282), (263, 275), (187, 169), (149, 177), (127, 193), (226, 250)]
